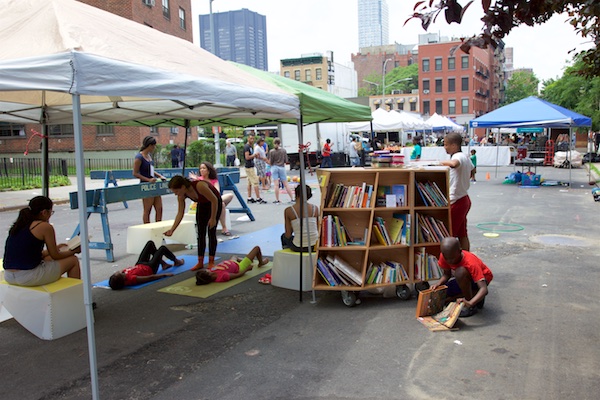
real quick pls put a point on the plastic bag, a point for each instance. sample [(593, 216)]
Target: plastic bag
[(236, 162)]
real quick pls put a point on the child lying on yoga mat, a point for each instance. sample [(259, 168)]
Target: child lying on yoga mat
[(146, 267), (230, 269)]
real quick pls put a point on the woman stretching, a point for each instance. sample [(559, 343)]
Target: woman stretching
[(26, 263), (209, 173), (208, 211)]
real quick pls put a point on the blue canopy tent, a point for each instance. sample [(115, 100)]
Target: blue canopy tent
[(532, 112)]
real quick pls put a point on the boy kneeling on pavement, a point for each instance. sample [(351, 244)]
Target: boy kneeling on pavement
[(466, 276)]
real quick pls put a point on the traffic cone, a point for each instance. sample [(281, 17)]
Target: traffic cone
[(487, 176)]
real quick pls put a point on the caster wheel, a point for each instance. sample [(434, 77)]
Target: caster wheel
[(403, 292), (350, 299), (419, 286)]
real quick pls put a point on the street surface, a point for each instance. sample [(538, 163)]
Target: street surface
[(536, 338)]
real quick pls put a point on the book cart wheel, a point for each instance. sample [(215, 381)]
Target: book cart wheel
[(419, 286), (350, 298), (403, 292)]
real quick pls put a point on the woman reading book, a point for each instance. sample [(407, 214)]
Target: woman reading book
[(26, 262)]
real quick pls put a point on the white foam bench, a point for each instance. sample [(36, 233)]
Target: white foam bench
[(48, 311), (139, 235), (286, 274)]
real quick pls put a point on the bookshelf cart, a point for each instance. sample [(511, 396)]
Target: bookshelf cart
[(349, 233)]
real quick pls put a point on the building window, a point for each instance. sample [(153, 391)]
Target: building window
[(166, 9), (464, 84), (451, 84), (154, 130), (413, 106), (105, 130), (451, 63), (318, 74), (465, 106), (174, 130), (438, 86), (451, 106), (426, 107), (286, 74), (11, 130), (60, 130), (308, 75), (425, 65), (438, 64), (426, 86), (464, 62), (297, 74), (438, 107), (182, 18)]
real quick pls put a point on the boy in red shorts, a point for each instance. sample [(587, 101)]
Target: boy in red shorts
[(230, 269), (466, 276)]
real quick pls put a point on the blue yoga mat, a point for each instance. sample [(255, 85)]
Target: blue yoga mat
[(190, 261), (269, 240)]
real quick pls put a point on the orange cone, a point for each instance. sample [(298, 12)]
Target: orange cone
[(487, 176)]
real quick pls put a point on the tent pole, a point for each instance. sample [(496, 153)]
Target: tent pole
[(85, 248), (303, 211), (185, 143), (570, 156), (45, 169)]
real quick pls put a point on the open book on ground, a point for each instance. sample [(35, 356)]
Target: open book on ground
[(432, 312)]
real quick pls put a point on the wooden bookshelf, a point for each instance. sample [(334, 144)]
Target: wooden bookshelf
[(364, 220)]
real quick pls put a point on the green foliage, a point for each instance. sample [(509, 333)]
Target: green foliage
[(409, 77), (501, 16), (575, 92), (27, 183), (521, 84)]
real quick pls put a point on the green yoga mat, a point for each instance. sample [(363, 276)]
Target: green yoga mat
[(188, 287)]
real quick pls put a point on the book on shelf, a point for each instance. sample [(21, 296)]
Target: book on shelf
[(431, 194), (346, 270), (395, 230), (325, 273), (426, 266), (444, 320), (399, 191), (380, 195)]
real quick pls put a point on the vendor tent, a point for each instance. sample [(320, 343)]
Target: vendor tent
[(441, 123), (62, 61), (531, 111)]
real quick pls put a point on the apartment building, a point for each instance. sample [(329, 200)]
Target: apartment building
[(168, 16)]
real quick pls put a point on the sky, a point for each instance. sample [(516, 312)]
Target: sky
[(316, 26)]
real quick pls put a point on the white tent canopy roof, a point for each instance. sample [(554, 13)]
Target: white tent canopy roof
[(130, 72), (441, 122), (388, 121)]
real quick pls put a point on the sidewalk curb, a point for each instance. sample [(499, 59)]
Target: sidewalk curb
[(18, 207)]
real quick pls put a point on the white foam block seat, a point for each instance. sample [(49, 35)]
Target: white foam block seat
[(191, 216), (48, 311), (285, 273), (139, 235)]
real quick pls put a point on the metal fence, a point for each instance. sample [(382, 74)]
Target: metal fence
[(27, 171)]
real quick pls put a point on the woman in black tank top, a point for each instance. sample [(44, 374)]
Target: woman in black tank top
[(208, 211)]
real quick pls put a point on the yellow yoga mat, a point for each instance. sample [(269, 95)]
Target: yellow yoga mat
[(188, 287)]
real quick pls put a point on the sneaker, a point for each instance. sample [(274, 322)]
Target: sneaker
[(467, 312), (276, 202), (251, 200), (261, 201)]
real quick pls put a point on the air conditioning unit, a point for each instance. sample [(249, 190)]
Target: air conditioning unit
[(396, 92), (425, 91), (150, 3)]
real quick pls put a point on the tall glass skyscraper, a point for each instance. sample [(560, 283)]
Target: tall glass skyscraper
[(240, 36), (373, 23)]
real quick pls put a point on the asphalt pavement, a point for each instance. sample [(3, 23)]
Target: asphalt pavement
[(536, 338)]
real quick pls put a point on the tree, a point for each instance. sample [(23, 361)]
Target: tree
[(521, 84), (501, 16), (575, 92)]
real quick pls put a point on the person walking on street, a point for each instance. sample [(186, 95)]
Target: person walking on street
[(230, 154), (460, 174), (278, 158), (143, 169), (249, 157), (175, 156), (326, 153)]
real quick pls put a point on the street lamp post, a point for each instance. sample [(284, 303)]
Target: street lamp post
[(383, 82)]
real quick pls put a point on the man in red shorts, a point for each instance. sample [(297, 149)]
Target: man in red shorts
[(460, 175)]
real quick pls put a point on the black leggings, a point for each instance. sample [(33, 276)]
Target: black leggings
[(203, 211), (152, 256)]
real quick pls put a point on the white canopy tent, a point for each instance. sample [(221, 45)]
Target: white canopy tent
[(441, 123), (389, 121), (62, 61)]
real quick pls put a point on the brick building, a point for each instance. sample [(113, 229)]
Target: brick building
[(168, 16), (458, 85), (370, 60)]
